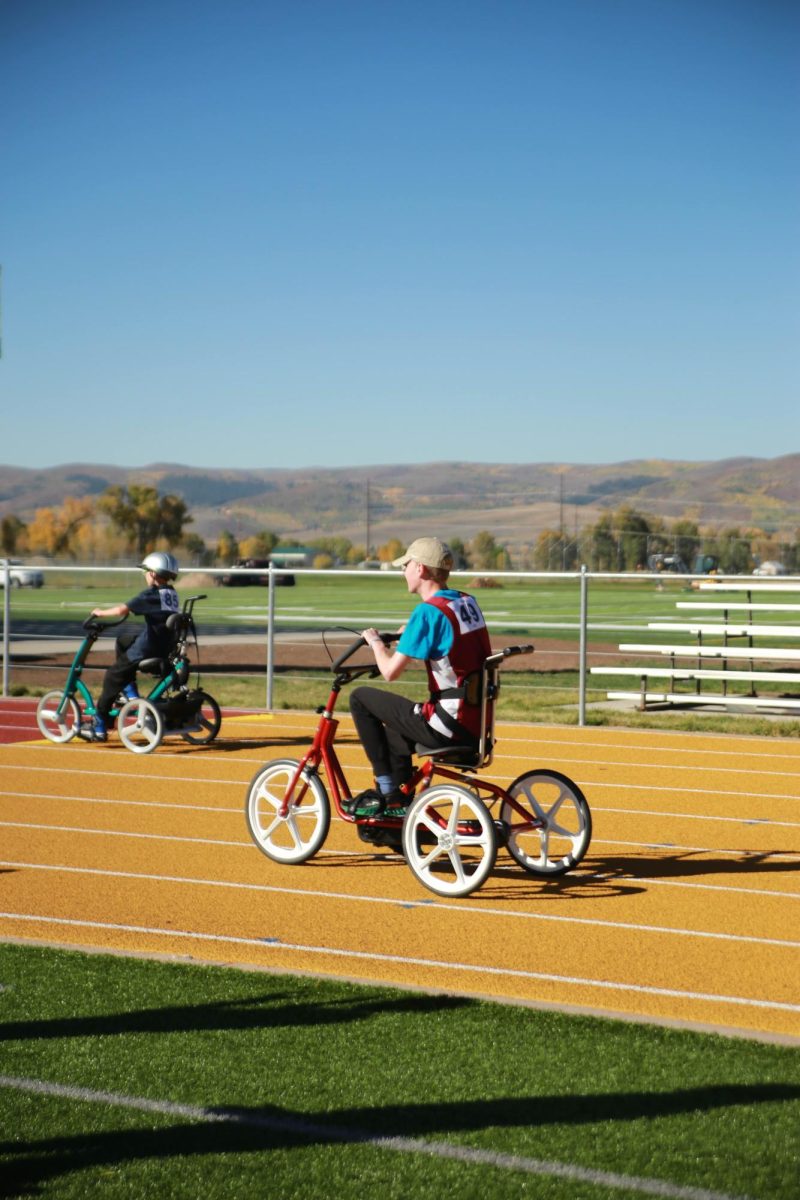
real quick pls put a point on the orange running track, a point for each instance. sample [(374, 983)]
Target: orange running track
[(684, 911)]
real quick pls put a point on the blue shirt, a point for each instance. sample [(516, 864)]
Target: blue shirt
[(428, 634)]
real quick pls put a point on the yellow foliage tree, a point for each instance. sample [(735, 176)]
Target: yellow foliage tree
[(54, 531)]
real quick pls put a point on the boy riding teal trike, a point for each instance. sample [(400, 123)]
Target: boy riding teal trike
[(171, 706)]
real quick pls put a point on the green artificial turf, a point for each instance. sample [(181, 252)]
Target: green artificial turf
[(317, 1072)]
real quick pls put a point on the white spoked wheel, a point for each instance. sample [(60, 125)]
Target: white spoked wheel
[(140, 726), (449, 840), (296, 836), (563, 823), (206, 724), (58, 719)]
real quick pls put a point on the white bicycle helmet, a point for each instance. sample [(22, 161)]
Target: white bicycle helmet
[(165, 565)]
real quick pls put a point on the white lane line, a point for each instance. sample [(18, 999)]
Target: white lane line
[(165, 837), (272, 943), (249, 845), (394, 902), (680, 816), (586, 784), (61, 798), (625, 812), (297, 1125)]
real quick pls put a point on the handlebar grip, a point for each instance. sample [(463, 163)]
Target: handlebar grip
[(511, 651)]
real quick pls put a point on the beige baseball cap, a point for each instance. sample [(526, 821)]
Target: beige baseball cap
[(429, 551)]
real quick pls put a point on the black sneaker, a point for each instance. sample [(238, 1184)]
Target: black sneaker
[(397, 803), (367, 804)]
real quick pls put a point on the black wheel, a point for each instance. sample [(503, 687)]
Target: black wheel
[(206, 724), (561, 823)]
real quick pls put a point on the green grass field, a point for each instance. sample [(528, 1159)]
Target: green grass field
[(298, 1087)]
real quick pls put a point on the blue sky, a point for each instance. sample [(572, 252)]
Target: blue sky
[(239, 233)]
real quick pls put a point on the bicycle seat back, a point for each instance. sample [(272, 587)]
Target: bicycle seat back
[(470, 757), (484, 686)]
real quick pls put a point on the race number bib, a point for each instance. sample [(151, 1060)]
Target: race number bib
[(169, 600), (467, 613)]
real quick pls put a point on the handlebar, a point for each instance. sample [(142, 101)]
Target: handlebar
[(95, 624), (337, 664)]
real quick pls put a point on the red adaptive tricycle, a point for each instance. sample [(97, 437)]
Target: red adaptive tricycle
[(451, 830)]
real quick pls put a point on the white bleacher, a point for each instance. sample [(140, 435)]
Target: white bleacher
[(700, 651)]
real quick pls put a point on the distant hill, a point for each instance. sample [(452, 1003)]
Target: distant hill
[(515, 502)]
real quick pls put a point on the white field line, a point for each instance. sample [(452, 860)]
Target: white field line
[(393, 902), (272, 943), (248, 845), (352, 1135)]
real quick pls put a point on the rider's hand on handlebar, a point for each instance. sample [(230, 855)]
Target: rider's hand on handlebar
[(372, 638)]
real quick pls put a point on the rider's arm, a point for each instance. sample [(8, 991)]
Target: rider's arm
[(391, 664), (116, 610)]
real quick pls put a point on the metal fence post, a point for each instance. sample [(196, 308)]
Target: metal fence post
[(270, 636), (6, 624), (582, 648)]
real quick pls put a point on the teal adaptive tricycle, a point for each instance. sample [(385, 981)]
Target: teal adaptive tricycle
[(142, 721)]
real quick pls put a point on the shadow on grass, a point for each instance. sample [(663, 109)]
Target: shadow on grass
[(270, 1011), (29, 1165)]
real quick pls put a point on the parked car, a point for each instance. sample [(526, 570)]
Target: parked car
[(261, 565), (21, 576)]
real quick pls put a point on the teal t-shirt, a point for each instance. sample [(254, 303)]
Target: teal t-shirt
[(428, 634)]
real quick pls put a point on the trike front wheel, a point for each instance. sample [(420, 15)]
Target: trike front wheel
[(58, 718), (140, 726), (552, 833), (449, 840), (296, 836)]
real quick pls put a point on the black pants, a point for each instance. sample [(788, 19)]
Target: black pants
[(120, 672), (389, 729)]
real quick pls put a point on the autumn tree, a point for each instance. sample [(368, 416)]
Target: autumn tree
[(144, 517), (12, 535), (227, 548), (259, 545), (390, 550), (54, 531)]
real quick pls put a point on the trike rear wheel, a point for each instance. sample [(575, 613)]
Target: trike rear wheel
[(297, 836), (206, 724), (55, 725), (562, 823), (449, 840), (140, 726)]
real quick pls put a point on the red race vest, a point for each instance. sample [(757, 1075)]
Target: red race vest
[(449, 706)]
